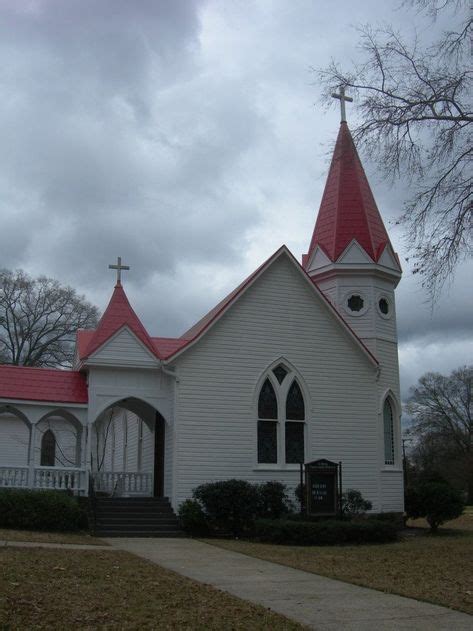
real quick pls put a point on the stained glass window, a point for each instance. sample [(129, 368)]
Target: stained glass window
[(295, 403), (48, 449), (280, 373), (267, 403), (267, 442), (294, 443), (388, 433)]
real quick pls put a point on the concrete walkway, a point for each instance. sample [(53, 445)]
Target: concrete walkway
[(321, 603)]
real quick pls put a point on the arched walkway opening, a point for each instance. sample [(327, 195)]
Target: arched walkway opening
[(129, 450)]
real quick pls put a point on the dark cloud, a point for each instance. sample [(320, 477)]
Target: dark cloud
[(187, 137)]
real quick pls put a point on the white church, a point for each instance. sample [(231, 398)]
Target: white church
[(298, 363)]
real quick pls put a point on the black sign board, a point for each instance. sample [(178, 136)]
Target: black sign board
[(321, 483)]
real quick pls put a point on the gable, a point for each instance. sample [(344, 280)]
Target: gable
[(123, 349), (319, 259), (355, 255), (280, 306), (388, 259)]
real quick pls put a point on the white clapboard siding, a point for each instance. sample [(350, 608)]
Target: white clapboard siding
[(123, 349), (392, 491), (279, 316), (14, 441)]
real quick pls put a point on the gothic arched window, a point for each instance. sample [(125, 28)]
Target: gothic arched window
[(267, 429), (388, 421), (281, 420), (48, 449)]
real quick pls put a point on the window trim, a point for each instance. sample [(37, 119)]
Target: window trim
[(281, 391), (392, 400)]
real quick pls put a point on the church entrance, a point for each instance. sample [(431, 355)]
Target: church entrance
[(128, 450)]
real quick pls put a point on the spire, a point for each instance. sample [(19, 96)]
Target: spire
[(348, 210), (117, 315)]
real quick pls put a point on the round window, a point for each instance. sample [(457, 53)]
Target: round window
[(383, 305), (355, 303)]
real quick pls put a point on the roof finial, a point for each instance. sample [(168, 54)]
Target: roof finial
[(119, 268), (342, 98)]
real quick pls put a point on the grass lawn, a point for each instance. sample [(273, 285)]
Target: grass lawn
[(438, 569), (49, 537), (70, 589)]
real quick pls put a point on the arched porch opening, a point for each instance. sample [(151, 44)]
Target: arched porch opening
[(128, 445), (15, 449)]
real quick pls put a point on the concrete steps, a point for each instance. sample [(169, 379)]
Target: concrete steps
[(135, 517)]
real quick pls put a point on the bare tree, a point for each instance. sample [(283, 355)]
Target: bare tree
[(416, 112), (39, 319), (441, 408)]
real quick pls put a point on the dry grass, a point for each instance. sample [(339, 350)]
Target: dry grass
[(49, 537), (437, 569), (58, 589)]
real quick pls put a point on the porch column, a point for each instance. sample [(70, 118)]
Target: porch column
[(87, 455), (31, 454)]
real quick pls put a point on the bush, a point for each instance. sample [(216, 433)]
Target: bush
[(397, 519), (40, 510), (193, 519), (329, 532), (353, 503), (273, 500), (437, 501), (229, 505)]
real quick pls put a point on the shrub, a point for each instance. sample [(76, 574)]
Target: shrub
[(40, 510), (437, 501), (397, 519), (273, 500), (353, 503), (329, 532), (229, 505), (193, 519)]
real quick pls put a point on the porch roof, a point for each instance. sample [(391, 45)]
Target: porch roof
[(42, 384)]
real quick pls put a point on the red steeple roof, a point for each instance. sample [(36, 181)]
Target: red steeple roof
[(117, 315), (348, 210)]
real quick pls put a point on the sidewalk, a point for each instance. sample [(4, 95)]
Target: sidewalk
[(321, 603)]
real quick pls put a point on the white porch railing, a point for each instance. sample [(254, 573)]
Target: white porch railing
[(71, 479), (14, 477), (59, 479), (123, 482)]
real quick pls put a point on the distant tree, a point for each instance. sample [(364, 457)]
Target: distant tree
[(416, 108), (441, 409), (39, 319)]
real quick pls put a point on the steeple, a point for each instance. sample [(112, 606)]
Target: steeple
[(348, 210), (117, 315)]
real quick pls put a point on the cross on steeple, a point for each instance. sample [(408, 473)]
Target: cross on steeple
[(119, 268), (342, 98)]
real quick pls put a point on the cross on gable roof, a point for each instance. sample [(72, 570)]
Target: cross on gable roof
[(117, 315), (348, 210)]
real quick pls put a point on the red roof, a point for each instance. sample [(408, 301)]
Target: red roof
[(42, 384), (117, 315), (348, 210), (167, 346)]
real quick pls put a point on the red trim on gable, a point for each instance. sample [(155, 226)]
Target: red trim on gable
[(348, 209), (42, 384), (118, 314)]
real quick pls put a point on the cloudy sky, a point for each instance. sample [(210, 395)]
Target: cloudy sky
[(188, 137)]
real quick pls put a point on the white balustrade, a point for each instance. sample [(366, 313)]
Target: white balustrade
[(59, 479), (14, 477), (123, 482)]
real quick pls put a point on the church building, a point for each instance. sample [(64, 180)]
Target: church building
[(298, 363)]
